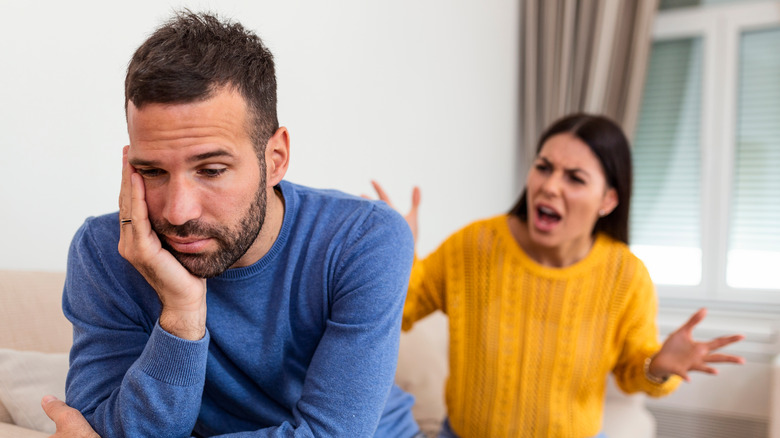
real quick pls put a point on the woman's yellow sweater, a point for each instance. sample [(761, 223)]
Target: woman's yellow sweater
[(531, 346)]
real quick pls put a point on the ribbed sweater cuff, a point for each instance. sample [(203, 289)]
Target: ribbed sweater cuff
[(174, 360)]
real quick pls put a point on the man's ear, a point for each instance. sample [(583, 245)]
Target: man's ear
[(277, 156)]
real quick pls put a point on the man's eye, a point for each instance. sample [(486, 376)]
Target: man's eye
[(149, 173), (212, 173)]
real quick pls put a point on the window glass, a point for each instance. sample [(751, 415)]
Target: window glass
[(665, 210), (754, 238), (674, 4)]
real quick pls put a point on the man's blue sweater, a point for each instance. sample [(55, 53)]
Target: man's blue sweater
[(302, 343)]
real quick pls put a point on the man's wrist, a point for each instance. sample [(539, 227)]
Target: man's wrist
[(189, 325)]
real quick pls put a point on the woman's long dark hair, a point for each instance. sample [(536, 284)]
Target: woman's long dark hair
[(607, 141)]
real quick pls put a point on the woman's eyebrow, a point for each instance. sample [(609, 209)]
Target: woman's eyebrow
[(568, 170)]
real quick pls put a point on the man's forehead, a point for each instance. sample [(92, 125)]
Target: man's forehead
[(221, 119)]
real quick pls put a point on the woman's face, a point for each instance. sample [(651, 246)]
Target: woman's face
[(567, 192)]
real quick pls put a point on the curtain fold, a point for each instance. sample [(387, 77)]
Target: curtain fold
[(582, 56)]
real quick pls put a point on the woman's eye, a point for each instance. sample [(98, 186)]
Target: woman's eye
[(542, 167), (577, 179), (212, 173)]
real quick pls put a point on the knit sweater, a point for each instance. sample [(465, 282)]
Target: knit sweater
[(531, 346), (302, 343)]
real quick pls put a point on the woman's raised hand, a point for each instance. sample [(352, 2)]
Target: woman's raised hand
[(411, 216), (680, 353)]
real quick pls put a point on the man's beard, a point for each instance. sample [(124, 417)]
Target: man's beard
[(232, 243)]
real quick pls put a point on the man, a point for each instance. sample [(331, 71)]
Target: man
[(237, 303)]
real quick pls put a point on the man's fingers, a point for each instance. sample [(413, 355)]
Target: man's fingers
[(60, 413), (125, 211), (53, 407), (124, 189), (69, 421), (140, 214)]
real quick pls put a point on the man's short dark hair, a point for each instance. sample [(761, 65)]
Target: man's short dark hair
[(194, 55)]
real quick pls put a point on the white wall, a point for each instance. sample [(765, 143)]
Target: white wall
[(404, 91)]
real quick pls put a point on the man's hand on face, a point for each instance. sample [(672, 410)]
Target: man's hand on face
[(182, 294), (70, 423)]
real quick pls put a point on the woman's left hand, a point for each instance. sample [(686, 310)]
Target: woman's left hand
[(681, 353)]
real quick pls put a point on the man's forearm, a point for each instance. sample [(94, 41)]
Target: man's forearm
[(159, 395)]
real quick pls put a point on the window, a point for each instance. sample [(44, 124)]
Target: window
[(754, 246), (706, 206)]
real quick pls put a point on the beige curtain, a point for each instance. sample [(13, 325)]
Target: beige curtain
[(582, 55)]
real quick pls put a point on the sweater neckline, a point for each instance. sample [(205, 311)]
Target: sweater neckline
[(288, 194), (594, 256)]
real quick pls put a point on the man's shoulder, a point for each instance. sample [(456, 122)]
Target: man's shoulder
[(315, 195), (103, 229), (96, 241), (335, 205), (327, 214)]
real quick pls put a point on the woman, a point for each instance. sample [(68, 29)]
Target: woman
[(545, 301)]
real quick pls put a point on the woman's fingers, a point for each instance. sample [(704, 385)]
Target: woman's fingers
[(723, 341), (381, 193), (704, 369), (694, 320), (720, 358)]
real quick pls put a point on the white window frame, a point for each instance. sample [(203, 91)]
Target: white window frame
[(719, 27)]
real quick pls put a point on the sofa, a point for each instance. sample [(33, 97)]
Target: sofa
[(35, 338)]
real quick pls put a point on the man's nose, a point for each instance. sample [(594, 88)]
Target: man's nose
[(183, 202)]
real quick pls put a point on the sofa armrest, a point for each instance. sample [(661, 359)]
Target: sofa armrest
[(31, 312), (12, 431)]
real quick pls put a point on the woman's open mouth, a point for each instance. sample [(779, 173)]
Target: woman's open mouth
[(546, 218)]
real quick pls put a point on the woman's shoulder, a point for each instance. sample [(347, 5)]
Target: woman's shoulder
[(490, 225), (619, 254), (487, 223), (473, 235)]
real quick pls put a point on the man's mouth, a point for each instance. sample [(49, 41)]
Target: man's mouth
[(188, 245)]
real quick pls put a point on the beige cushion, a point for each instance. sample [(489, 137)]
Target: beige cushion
[(27, 376), (422, 370), (31, 312), (5, 416), (11, 431)]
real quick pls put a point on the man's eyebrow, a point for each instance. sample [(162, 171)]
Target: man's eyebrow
[(139, 162), (210, 154)]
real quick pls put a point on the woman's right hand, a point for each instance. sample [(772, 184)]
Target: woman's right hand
[(411, 216)]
